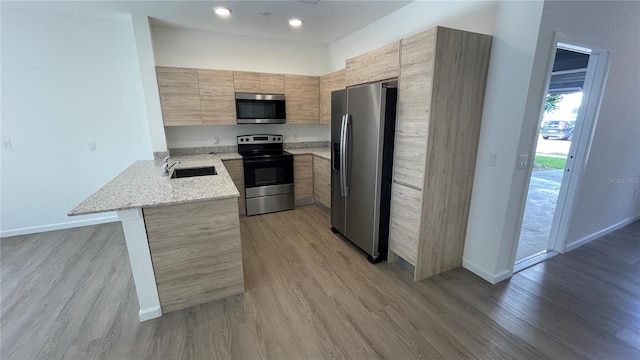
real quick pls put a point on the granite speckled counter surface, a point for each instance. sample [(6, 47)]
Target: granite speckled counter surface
[(142, 185), (322, 152)]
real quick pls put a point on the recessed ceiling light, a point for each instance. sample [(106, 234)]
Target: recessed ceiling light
[(295, 22), (222, 11)]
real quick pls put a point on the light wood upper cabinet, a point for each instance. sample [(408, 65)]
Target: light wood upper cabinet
[(303, 177), (244, 81), (322, 181), (179, 96), (217, 97), (271, 83), (302, 93), (261, 83), (310, 99), (328, 83), (293, 95), (375, 65), (441, 89)]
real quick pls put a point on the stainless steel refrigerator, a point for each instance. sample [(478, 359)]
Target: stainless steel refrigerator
[(362, 134)]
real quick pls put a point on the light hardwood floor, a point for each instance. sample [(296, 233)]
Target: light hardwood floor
[(309, 295)]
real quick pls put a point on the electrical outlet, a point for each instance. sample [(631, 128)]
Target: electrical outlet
[(92, 146), (7, 145), (493, 159), (216, 140), (523, 161)]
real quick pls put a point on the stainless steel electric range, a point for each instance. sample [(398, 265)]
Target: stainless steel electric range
[(268, 173)]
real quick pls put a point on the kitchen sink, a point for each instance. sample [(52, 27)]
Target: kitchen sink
[(191, 172)]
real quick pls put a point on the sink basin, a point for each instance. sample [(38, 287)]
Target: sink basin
[(191, 172)]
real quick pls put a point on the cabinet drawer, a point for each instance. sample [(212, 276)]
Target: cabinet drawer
[(404, 223)]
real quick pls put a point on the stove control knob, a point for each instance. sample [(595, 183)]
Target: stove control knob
[(279, 139), (241, 139)]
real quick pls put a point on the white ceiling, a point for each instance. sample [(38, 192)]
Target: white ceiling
[(324, 22)]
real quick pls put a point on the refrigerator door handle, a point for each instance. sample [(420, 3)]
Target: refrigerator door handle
[(347, 166), (342, 164)]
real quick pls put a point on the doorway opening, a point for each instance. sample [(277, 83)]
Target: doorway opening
[(564, 138)]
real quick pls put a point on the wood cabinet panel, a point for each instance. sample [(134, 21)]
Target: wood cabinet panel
[(271, 83), (217, 97), (302, 94), (404, 222), (328, 83), (236, 171), (293, 94), (177, 81), (303, 177), (375, 65), (179, 96), (414, 105), (322, 181), (459, 82), (195, 251), (310, 99), (245, 81)]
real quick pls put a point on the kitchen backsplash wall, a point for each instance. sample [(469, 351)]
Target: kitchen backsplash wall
[(225, 135)]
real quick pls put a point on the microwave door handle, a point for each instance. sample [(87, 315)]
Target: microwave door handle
[(342, 165)]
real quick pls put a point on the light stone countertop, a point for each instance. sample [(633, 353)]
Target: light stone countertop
[(142, 185), (323, 152)]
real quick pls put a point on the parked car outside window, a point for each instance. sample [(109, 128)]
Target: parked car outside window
[(558, 129)]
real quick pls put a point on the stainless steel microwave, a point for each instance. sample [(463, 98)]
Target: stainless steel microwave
[(260, 108)]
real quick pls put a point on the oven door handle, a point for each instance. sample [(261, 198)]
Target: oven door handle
[(263, 160), (342, 164)]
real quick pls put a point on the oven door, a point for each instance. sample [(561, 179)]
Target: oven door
[(268, 175)]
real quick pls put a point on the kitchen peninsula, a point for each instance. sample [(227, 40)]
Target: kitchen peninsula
[(182, 235)]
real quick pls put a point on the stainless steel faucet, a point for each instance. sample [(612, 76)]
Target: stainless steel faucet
[(166, 167)]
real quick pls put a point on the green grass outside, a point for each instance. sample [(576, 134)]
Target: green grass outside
[(548, 162)]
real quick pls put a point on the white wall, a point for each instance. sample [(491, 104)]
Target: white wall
[(476, 16), (205, 50), (498, 192), (492, 218), (66, 81), (615, 151)]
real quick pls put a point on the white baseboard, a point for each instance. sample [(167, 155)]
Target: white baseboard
[(492, 278), (58, 226), (576, 244), (150, 313)]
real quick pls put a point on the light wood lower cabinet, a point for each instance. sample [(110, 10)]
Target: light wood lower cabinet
[(303, 178), (322, 181), (441, 88), (195, 251), (404, 222), (236, 171)]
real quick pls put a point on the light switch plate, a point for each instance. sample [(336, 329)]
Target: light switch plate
[(523, 161), (493, 159)]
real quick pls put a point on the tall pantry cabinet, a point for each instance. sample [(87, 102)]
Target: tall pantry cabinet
[(441, 89)]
